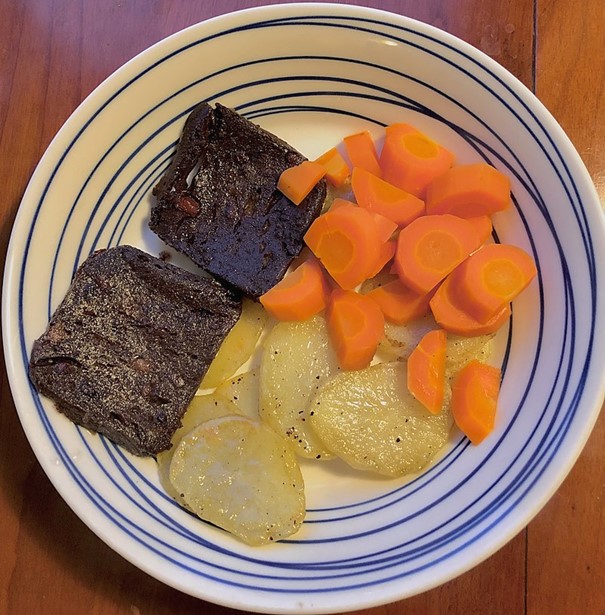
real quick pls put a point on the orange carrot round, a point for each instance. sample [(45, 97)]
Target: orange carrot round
[(299, 295), (448, 313), (468, 190), (384, 198), (355, 326), (362, 151), (492, 277), (475, 391), (426, 370), (337, 170), (483, 227), (430, 247), (385, 256), (296, 182), (398, 303), (386, 227), (411, 160), (347, 242)]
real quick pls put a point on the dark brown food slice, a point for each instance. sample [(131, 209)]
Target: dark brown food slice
[(127, 348), (231, 220)]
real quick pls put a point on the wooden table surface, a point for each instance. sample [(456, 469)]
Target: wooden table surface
[(52, 54)]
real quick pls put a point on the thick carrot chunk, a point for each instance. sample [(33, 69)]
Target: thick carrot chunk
[(296, 182), (347, 242), (398, 303), (491, 278), (356, 326), (300, 294), (377, 195), (448, 313), (426, 370), (475, 391), (430, 247), (337, 169), (469, 190), (411, 160), (362, 152)]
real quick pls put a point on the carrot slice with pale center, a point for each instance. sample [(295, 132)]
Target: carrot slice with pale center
[(492, 277), (411, 160), (347, 242), (430, 247), (453, 318)]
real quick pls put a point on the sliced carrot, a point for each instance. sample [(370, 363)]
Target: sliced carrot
[(337, 169), (385, 227), (475, 391), (430, 247), (300, 294), (426, 370), (355, 326), (483, 227), (398, 303), (385, 256), (411, 160), (492, 277), (362, 151), (469, 190), (296, 182), (340, 202), (448, 313), (347, 242), (384, 198)]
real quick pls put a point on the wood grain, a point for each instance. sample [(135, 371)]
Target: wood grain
[(52, 54)]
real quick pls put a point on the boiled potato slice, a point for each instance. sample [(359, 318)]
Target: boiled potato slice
[(240, 475), (400, 340), (370, 420), (460, 350), (238, 346), (243, 391), (297, 358), (201, 409)]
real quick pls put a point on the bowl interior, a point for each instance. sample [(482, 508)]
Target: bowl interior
[(313, 74)]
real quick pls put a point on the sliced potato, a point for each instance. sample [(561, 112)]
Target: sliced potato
[(240, 475), (460, 350), (201, 409), (370, 420), (400, 340), (243, 391), (238, 346), (297, 358)]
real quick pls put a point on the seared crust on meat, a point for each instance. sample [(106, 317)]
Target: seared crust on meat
[(127, 348), (230, 219)]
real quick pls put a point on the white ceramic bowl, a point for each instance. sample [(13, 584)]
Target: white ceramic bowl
[(312, 74)]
